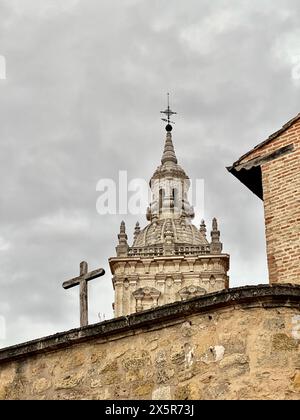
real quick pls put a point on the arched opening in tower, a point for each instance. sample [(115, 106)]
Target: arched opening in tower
[(161, 198)]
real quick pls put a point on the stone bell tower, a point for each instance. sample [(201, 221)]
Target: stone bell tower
[(170, 259)]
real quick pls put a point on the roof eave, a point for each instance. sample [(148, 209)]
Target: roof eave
[(250, 177)]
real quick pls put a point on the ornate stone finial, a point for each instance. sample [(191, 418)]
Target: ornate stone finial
[(203, 228), (122, 227), (216, 245), (122, 235), (122, 248), (137, 230), (214, 225)]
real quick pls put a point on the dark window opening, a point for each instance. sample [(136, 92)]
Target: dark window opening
[(161, 198)]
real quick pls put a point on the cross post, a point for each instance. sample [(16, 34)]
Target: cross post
[(82, 280)]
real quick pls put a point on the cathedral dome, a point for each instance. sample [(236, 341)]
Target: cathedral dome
[(182, 235), (182, 232)]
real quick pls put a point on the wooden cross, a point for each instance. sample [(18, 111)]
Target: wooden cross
[(82, 282)]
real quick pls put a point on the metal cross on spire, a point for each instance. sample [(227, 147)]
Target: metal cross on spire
[(168, 112)]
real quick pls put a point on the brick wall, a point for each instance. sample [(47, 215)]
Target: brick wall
[(281, 189)]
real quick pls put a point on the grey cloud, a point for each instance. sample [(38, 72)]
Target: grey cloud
[(85, 83)]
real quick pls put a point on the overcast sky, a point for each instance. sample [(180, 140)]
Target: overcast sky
[(85, 81)]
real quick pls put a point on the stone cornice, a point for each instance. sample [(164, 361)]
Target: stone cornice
[(265, 296), (167, 257)]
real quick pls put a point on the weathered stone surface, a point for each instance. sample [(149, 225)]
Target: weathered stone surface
[(96, 383), (2, 393), (233, 343), (121, 392), (296, 381), (136, 360), (69, 381), (284, 343), (232, 353), (183, 392), (274, 324), (41, 385), (235, 365), (219, 391), (164, 375), (143, 389), (109, 367), (233, 360), (178, 358), (97, 356), (162, 393)]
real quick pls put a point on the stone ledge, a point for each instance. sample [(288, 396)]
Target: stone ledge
[(266, 296)]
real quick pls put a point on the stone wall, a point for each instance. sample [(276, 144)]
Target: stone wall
[(236, 344), (281, 192)]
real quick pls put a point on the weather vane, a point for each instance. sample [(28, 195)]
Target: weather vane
[(168, 112)]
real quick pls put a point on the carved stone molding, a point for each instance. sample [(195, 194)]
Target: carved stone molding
[(177, 277), (191, 291), (146, 298), (160, 278)]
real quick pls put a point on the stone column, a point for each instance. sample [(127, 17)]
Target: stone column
[(118, 298)]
